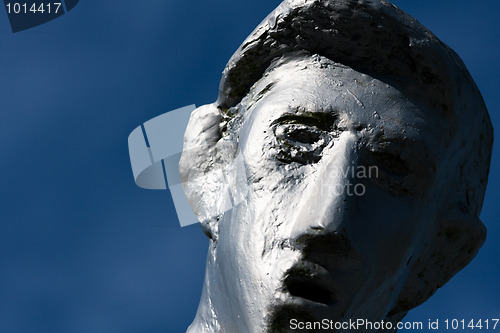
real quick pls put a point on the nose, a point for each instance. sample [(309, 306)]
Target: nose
[(324, 205)]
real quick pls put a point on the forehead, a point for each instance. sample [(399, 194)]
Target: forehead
[(318, 85)]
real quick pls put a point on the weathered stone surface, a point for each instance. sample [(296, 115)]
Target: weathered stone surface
[(353, 147)]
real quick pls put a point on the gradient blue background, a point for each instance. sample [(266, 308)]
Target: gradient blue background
[(82, 249)]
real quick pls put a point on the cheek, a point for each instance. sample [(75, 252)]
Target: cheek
[(387, 229)]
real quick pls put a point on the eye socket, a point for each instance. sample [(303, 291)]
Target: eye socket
[(300, 143), (390, 164), (394, 175), (299, 134)]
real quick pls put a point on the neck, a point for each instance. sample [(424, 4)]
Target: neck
[(206, 319)]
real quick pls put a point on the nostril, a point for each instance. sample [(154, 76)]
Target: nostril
[(315, 231)]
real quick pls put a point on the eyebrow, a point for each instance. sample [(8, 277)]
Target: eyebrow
[(323, 120), (264, 91)]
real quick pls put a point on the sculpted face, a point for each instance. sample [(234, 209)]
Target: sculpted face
[(328, 193), (342, 192)]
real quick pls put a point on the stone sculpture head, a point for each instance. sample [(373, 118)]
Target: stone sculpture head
[(353, 147)]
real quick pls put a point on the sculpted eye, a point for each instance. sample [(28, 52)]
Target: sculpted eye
[(391, 164), (396, 176), (300, 143), (299, 134)]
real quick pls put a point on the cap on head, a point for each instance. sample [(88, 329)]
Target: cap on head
[(371, 36)]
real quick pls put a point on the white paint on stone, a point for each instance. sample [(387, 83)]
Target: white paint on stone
[(294, 112)]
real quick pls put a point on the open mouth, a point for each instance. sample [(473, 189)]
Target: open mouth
[(316, 277), (308, 289)]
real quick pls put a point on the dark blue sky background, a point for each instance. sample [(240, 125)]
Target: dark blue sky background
[(82, 248)]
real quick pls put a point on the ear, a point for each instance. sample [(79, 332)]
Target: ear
[(201, 167), (456, 243)]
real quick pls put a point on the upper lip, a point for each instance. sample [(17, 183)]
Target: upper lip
[(326, 249), (323, 255)]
